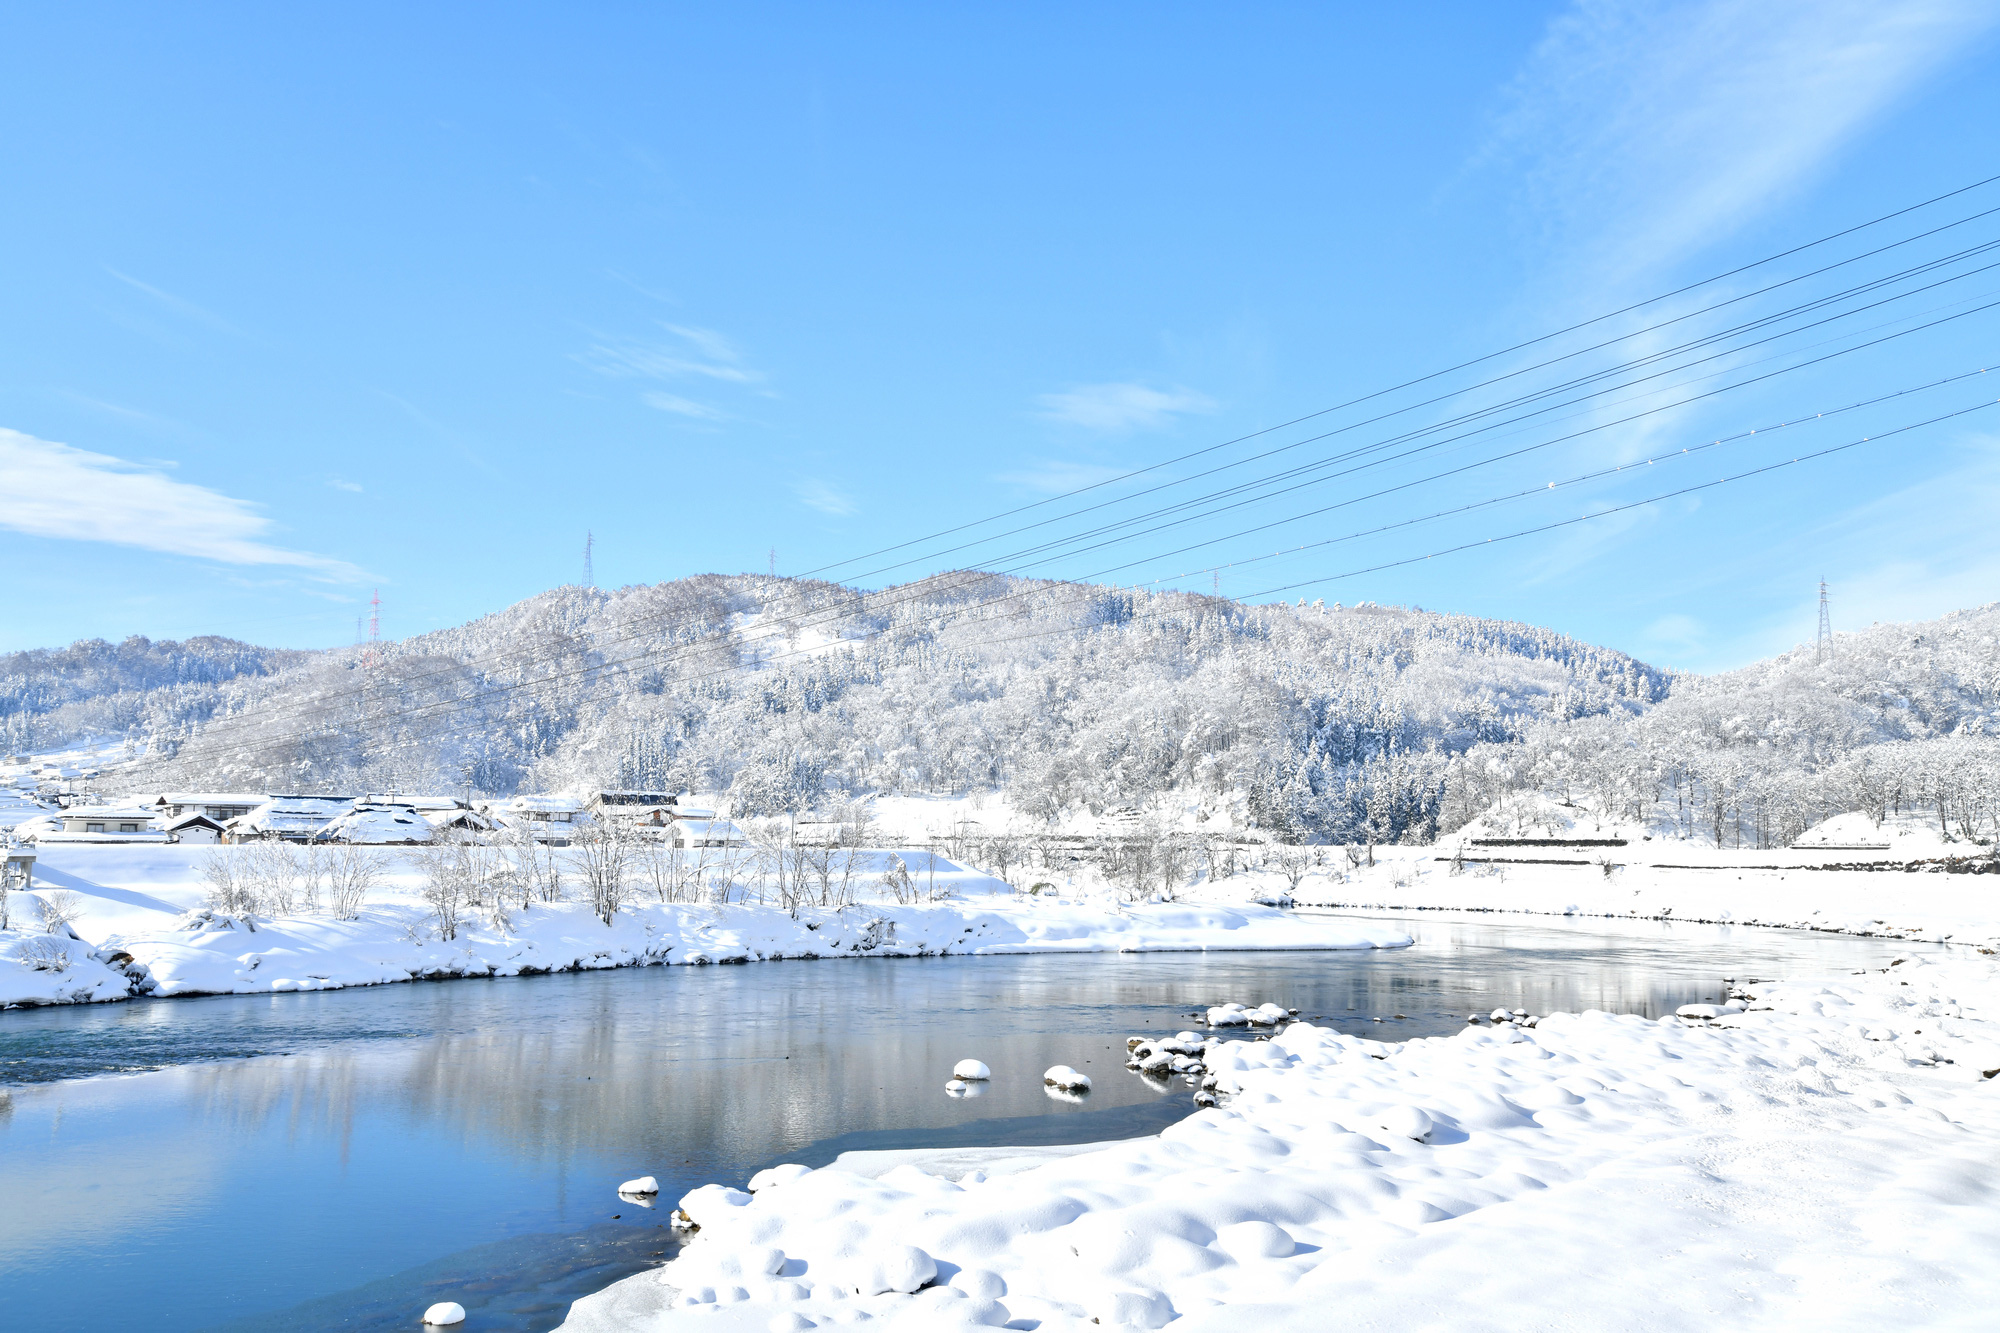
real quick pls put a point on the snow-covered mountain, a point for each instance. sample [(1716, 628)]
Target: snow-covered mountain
[(1316, 721)]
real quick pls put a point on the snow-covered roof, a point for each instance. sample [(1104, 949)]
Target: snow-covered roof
[(456, 817), (546, 804), (209, 798), (379, 825), (190, 820), (414, 802), (710, 830)]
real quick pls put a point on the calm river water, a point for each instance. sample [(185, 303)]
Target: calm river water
[(340, 1160)]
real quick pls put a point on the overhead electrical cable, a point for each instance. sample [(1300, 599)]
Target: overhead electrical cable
[(617, 670), (1463, 365)]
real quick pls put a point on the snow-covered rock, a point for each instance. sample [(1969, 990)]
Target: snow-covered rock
[(971, 1069), (1774, 1155), (643, 1185), (444, 1313), (1065, 1078)]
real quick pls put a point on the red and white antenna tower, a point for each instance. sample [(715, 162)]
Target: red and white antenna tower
[(371, 656)]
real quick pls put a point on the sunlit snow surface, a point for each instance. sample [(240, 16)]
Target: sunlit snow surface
[(1812, 1162)]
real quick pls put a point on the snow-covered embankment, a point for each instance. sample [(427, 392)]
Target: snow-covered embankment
[(1821, 1160)]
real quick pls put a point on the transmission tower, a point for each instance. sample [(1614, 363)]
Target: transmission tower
[(589, 576), (371, 656), (1823, 647)]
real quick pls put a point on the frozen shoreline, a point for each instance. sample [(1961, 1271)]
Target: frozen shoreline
[(222, 956), (1819, 1160), (1934, 908)]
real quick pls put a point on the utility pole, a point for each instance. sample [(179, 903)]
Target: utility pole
[(1823, 647), (589, 576), (774, 562)]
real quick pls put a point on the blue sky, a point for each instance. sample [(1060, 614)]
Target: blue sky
[(300, 303)]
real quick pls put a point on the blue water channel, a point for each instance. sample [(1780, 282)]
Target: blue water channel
[(340, 1160)]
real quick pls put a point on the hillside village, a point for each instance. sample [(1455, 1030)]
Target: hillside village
[(376, 819)]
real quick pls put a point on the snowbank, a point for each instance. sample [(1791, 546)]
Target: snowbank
[(1818, 1160), (39, 968), (145, 922), (1946, 908)]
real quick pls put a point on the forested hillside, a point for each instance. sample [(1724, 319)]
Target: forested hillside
[(1900, 718), (52, 695), (1315, 722)]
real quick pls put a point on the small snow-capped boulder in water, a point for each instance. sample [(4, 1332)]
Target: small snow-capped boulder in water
[(1702, 1011), (1501, 1016), (644, 1185), (1062, 1076), (971, 1070), (896, 1268), (956, 1085), (1407, 1122), (445, 1312)]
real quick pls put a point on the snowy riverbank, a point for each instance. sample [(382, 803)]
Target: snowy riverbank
[(1820, 1160), (141, 933)]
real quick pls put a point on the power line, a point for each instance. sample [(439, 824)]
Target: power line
[(605, 673), (1348, 455), (1488, 357), (1437, 374)]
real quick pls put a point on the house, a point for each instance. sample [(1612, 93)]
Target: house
[(541, 810), (193, 827), (708, 833), (105, 823), (220, 806), (636, 810), (19, 868), (458, 819), (378, 826), (621, 804), (296, 818)]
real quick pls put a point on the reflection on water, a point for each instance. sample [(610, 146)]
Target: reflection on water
[(465, 1140)]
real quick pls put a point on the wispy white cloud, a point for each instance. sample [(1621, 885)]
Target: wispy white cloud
[(822, 497), (1644, 131), (342, 485), (688, 353), (54, 490), (1123, 407), (682, 407), (179, 305)]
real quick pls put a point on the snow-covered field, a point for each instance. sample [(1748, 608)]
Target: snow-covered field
[(1821, 1160), (1691, 880), (141, 931)]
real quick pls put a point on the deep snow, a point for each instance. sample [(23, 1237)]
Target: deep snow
[(146, 935), (1820, 1160)]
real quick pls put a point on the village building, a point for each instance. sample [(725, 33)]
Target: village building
[(196, 828), (380, 825), (708, 833), (105, 823), (220, 806), (295, 818)]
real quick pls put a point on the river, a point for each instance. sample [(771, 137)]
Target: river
[(340, 1160)]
